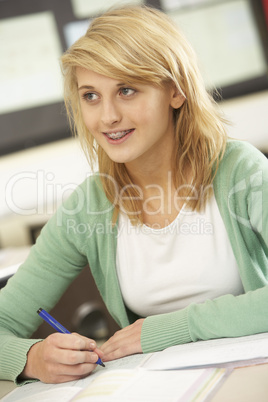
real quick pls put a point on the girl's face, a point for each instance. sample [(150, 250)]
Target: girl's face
[(131, 123)]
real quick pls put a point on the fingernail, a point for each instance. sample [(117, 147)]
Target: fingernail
[(92, 345)]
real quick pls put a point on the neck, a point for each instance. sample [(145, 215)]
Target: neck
[(150, 174)]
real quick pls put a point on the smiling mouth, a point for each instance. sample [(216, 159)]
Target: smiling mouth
[(118, 135)]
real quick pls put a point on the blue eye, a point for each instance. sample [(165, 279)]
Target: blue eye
[(90, 96), (127, 91)]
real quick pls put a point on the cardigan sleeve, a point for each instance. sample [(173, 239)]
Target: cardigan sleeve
[(226, 316), (55, 260)]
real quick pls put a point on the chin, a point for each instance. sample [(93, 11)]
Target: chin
[(120, 158)]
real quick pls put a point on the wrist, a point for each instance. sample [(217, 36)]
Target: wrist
[(164, 330), (29, 371)]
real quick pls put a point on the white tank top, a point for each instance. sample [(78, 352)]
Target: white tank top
[(189, 261)]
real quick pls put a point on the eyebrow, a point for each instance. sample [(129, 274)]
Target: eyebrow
[(85, 87), (120, 84)]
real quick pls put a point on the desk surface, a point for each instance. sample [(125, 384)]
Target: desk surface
[(245, 384), (6, 387)]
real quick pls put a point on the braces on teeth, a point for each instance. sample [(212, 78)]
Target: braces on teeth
[(118, 135)]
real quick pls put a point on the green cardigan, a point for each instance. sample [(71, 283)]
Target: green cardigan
[(81, 232)]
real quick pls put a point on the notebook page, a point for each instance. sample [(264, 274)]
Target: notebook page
[(36, 390), (211, 353), (152, 386)]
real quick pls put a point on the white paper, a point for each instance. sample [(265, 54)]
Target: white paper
[(54, 394), (30, 73), (124, 380), (210, 353), (130, 385), (148, 386), (37, 388)]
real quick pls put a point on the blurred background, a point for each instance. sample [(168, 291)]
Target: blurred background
[(40, 162)]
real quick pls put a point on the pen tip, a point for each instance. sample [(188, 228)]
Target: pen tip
[(102, 364)]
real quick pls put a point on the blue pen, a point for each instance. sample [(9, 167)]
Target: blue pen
[(58, 327)]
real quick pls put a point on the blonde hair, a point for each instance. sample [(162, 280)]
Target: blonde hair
[(142, 45)]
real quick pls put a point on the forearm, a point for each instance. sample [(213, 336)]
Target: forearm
[(226, 316)]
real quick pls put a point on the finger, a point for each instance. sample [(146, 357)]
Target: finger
[(71, 341), (90, 345), (115, 341), (118, 353), (118, 349), (124, 342), (86, 343), (74, 357), (74, 364), (70, 349), (116, 337)]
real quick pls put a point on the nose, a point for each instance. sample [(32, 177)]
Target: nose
[(110, 113)]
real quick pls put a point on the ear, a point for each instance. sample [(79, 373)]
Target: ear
[(177, 98)]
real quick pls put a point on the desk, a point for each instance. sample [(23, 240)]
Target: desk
[(243, 385), (6, 387)]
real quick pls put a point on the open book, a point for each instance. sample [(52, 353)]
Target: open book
[(152, 386), (134, 385), (148, 377), (165, 377), (124, 380)]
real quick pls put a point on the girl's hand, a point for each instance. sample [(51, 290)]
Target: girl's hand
[(61, 358), (125, 342)]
